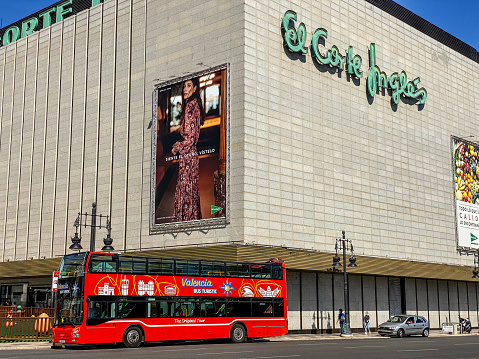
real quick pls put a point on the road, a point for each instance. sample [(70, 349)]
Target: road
[(408, 348)]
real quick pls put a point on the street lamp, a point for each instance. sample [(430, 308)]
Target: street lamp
[(76, 246), (345, 244)]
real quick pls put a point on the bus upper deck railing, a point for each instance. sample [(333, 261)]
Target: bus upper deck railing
[(114, 263)]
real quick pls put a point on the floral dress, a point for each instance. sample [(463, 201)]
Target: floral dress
[(187, 195)]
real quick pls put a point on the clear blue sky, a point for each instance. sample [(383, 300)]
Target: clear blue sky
[(14, 10), (459, 18)]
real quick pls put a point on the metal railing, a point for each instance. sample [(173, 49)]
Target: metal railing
[(5, 311), (25, 329)]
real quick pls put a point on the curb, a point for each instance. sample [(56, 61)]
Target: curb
[(25, 345), (295, 337)]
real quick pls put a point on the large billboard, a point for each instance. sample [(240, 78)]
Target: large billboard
[(190, 152), (465, 164)]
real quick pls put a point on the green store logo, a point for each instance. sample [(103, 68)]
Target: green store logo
[(43, 19), (397, 83), (473, 238)]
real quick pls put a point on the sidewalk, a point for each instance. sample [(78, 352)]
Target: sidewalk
[(288, 337), (24, 345), (374, 335)]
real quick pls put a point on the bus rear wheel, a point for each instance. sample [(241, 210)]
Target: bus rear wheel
[(132, 337), (238, 333)]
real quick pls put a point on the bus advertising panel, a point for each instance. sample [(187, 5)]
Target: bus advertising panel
[(189, 171), (143, 285), (465, 165)]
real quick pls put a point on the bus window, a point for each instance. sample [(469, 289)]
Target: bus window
[(101, 310), (277, 271), (262, 309), (213, 269), (72, 265), (278, 309), (152, 310), (132, 309), (180, 311), (261, 271), (165, 308), (187, 307), (94, 310), (196, 310), (102, 264), (184, 267), (161, 266), (238, 307), (213, 308), (132, 265), (237, 270)]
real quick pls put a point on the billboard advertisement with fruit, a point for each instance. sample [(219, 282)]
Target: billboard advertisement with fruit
[(466, 182)]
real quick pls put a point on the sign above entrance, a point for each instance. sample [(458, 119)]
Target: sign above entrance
[(397, 84), (43, 19)]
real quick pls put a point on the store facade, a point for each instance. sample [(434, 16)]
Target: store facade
[(352, 116)]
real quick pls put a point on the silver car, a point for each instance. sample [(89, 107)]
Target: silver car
[(401, 325)]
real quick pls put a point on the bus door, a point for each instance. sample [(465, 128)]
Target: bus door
[(100, 327)]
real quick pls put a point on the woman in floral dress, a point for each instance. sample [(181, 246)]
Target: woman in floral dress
[(187, 195)]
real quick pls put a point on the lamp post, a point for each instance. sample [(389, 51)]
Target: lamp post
[(345, 244), (76, 246)]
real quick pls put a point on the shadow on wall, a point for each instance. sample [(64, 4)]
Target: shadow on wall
[(327, 318)]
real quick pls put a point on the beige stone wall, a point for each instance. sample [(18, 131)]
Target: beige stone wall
[(320, 158), (310, 156), (75, 104)]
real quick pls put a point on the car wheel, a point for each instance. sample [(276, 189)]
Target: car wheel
[(400, 333), (132, 337), (238, 333), (425, 332)]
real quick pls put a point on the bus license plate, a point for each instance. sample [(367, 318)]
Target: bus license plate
[(62, 341)]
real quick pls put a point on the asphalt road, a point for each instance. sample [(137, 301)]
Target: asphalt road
[(391, 348)]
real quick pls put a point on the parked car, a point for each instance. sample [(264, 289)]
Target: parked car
[(401, 325)]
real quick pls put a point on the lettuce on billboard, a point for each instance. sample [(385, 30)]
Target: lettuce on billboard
[(189, 172), (466, 183)]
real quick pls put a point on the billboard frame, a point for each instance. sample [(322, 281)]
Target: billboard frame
[(461, 248), (201, 224)]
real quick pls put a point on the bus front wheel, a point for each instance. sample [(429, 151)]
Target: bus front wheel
[(238, 333), (132, 337)]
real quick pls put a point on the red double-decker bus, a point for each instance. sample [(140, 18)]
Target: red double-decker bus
[(112, 298)]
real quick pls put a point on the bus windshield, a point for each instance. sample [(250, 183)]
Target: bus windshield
[(70, 311), (72, 265)]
